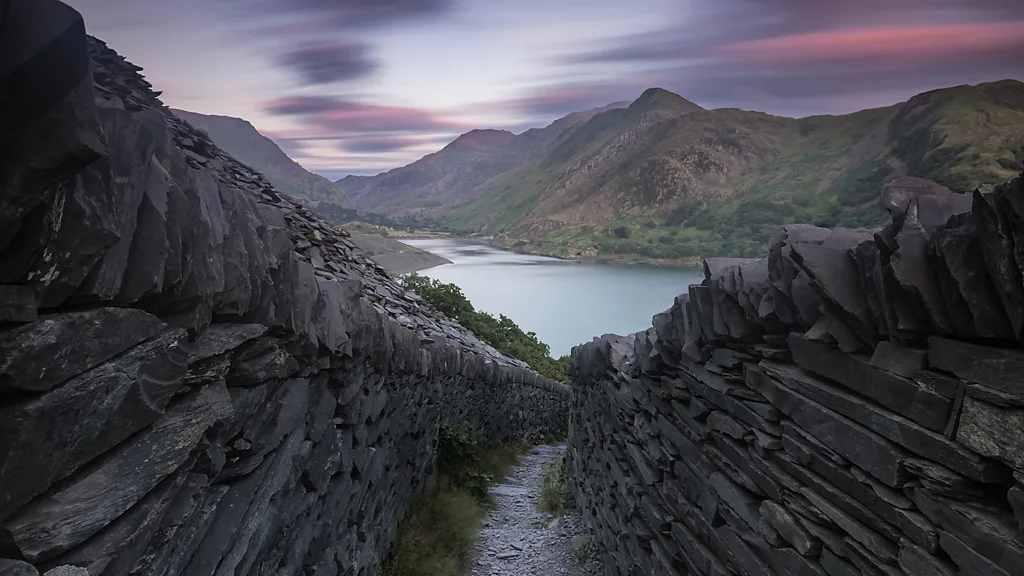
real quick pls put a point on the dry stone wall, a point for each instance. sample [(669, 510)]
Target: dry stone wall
[(199, 376), (852, 404)]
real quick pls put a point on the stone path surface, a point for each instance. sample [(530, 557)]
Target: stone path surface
[(520, 540)]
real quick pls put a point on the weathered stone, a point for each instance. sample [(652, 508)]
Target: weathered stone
[(17, 568), (65, 518), (916, 561), (17, 304), (898, 360), (992, 431), (883, 459), (901, 395), (897, 429), (996, 368), (790, 529), (998, 218), (46, 353), (970, 562), (992, 538), (48, 437), (970, 296), (836, 566)]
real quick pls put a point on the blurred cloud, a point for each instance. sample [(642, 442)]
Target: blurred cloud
[(365, 85), (327, 63)]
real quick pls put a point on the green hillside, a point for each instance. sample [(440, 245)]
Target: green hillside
[(667, 180)]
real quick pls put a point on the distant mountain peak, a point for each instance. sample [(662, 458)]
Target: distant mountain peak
[(481, 139), (661, 99)]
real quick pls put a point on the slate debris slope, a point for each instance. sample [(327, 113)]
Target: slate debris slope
[(849, 405)]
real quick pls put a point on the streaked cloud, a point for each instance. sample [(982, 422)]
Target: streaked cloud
[(327, 63), (366, 85)]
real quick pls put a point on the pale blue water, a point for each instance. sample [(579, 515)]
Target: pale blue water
[(564, 302)]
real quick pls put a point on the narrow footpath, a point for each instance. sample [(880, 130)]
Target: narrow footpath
[(520, 540)]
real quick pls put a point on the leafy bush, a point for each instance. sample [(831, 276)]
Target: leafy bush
[(502, 333), (457, 455), (621, 232)]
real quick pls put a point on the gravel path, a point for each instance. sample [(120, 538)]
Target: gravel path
[(520, 540)]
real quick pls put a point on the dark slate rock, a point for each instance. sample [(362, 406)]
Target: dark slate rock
[(865, 561), (835, 278), (992, 537), (790, 528), (882, 458), (898, 360), (1016, 498), (971, 299), (898, 193), (17, 568), (916, 561), (997, 368), (46, 353), (116, 548), (901, 395), (48, 437), (999, 222), (877, 544), (836, 566), (80, 508), (970, 562), (909, 263), (945, 482), (992, 431), (896, 428), (17, 304)]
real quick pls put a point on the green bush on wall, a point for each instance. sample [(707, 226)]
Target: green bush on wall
[(500, 332)]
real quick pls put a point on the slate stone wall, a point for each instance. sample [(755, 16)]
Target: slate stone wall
[(852, 404), (199, 376)]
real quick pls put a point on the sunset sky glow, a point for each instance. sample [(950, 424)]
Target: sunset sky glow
[(362, 86)]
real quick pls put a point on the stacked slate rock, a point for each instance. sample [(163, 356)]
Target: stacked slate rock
[(199, 376), (851, 404)]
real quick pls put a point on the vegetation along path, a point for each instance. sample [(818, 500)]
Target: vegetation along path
[(530, 531)]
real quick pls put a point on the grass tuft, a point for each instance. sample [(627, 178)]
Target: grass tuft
[(552, 490), (438, 534), (437, 537)]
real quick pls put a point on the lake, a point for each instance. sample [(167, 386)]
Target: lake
[(565, 302)]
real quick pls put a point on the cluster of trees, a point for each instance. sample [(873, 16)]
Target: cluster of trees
[(501, 332)]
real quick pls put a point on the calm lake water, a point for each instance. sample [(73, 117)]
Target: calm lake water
[(565, 302)]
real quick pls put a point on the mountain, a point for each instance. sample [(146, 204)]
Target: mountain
[(664, 179), (452, 175), (241, 139)]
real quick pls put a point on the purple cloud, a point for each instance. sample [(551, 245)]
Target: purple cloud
[(327, 63)]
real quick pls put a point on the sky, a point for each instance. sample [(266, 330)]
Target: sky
[(363, 86)]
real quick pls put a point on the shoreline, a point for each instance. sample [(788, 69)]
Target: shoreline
[(623, 259)]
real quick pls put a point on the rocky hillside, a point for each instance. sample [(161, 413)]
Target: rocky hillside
[(665, 179), (198, 375), (241, 139), (454, 175)]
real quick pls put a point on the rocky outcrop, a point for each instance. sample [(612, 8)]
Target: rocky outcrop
[(200, 376), (852, 404)]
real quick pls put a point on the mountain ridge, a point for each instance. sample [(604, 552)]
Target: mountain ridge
[(689, 183), (242, 140)]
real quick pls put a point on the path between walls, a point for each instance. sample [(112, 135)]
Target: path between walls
[(520, 540)]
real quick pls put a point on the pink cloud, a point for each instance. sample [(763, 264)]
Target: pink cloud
[(881, 43)]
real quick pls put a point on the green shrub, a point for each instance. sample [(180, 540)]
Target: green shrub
[(502, 333), (621, 232)]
